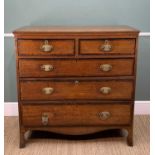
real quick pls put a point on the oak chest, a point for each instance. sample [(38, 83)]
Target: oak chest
[(76, 80)]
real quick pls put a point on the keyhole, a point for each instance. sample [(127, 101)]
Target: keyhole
[(76, 82)]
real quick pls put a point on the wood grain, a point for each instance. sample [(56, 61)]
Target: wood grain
[(119, 46), (63, 29), (33, 47), (76, 77), (70, 115), (65, 90), (64, 68)]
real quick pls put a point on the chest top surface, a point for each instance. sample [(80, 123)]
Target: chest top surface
[(36, 30)]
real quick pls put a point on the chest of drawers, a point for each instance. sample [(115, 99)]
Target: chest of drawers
[(76, 80)]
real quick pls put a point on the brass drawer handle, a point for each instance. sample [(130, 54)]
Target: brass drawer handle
[(48, 90), (44, 119), (106, 67), (104, 115), (46, 47), (106, 47), (105, 90), (47, 68)]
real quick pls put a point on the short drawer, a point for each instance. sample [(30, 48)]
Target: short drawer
[(46, 47), (74, 89), (107, 46), (71, 114), (53, 68)]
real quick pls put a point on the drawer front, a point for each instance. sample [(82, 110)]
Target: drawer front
[(51, 68), (109, 46), (46, 47), (71, 114), (66, 90)]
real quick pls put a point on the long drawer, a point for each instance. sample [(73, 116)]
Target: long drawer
[(107, 46), (46, 47), (71, 114), (90, 67), (74, 89)]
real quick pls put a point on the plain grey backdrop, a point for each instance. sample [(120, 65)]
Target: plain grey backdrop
[(78, 12)]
